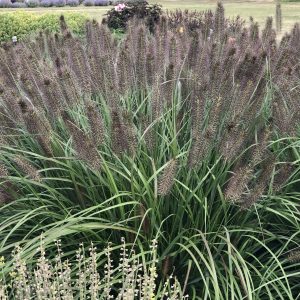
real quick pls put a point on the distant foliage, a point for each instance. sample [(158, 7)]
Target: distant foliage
[(101, 2), (115, 2), (18, 5), (118, 17), (72, 2), (59, 3), (88, 2), (5, 3), (49, 3), (21, 24), (32, 3), (46, 3)]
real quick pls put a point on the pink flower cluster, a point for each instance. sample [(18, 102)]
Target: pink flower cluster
[(120, 7)]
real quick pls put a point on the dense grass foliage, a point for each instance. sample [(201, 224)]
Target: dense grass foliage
[(22, 24), (189, 135)]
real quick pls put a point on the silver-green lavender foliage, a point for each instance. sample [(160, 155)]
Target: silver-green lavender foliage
[(125, 279)]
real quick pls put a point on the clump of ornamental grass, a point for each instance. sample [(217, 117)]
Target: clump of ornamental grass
[(188, 133), (128, 278)]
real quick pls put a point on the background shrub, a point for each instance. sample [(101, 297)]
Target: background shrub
[(18, 5), (46, 3), (5, 3), (88, 2), (129, 1), (140, 10), (59, 3), (101, 3), (21, 24), (32, 3), (72, 2)]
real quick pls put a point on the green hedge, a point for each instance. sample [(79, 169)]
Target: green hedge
[(21, 24)]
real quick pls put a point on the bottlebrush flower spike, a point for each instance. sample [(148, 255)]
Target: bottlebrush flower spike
[(27, 168), (166, 180)]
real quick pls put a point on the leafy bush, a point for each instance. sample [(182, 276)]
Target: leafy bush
[(18, 5), (73, 2), (21, 24), (5, 3), (46, 3), (128, 1), (88, 3), (118, 17), (32, 3), (101, 3), (190, 138), (59, 3)]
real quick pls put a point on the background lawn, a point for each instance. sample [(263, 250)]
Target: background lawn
[(258, 9)]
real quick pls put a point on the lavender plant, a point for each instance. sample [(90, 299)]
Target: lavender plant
[(46, 3), (188, 134), (18, 5), (72, 2), (32, 3), (5, 3), (127, 278), (88, 2), (101, 2), (58, 3)]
